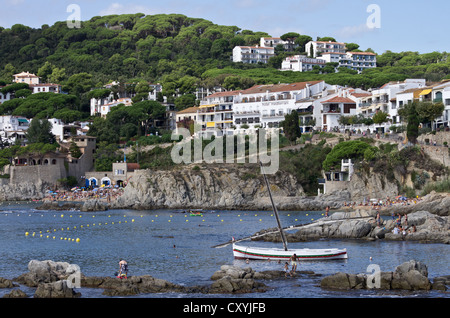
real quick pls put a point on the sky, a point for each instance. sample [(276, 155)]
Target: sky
[(395, 25)]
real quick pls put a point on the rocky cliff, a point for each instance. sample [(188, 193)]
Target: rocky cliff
[(213, 187), (23, 191)]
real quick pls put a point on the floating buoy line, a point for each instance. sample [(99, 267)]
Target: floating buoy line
[(61, 233)]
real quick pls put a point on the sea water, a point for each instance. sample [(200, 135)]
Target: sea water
[(177, 247)]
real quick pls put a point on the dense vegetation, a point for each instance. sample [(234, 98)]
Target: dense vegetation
[(181, 53)]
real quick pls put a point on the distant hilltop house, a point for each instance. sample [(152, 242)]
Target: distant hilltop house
[(26, 77), (274, 42), (103, 105), (317, 48), (301, 63), (35, 83), (253, 54)]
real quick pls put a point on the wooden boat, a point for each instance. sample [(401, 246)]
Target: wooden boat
[(259, 253)]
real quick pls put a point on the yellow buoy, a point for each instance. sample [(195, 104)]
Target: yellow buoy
[(26, 233), (78, 240)]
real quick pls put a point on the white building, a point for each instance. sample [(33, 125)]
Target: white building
[(26, 77), (441, 94), (316, 48), (358, 61), (103, 107), (4, 97), (252, 54), (216, 113), (273, 42), (13, 128), (267, 105), (437, 93), (45, 88), (13, 123), (301, 63), (333, 109), (387, 98), (63, 131)]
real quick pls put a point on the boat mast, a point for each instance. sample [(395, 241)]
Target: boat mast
[(283, 238)]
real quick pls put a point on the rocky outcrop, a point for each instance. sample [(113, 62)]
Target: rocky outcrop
[(58, 289), (23, 191), (41, 272), (362, 225), (435, 203), (56, 206), (16, 293), (6, 283), (213, 186), (50, 280), (410, 275), (94, 205)]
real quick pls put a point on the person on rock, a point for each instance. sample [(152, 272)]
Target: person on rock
[(123, 269)]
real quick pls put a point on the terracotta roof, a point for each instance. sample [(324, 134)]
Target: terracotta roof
[(132, 166), (256, 47), (357, 95), (362, 53), (338, 99), (333, 53), (278, 87), (221, 94), (329, 42), (188, 110)]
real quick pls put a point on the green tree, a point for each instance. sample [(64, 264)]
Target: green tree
[(40, 131), (353, 149), (74, 150), (301, 42), (412, 128), (380, 117), (291, 127)]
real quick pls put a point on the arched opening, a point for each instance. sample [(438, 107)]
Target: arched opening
[(106, 181)]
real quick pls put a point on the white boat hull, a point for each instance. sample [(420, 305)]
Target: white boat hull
[(259, 253)]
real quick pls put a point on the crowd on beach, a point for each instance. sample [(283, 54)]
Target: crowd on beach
[(107, 194), (388, 202), (401, 225)]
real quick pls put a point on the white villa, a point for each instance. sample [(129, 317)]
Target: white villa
[(266, 105), (46, 88), (358, 61), (13, 128), (253, 54), (317, 48), (273, 42), (301, 63), (389, 98), (26, 77)]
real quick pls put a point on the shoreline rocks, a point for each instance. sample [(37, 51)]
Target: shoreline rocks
[(47, 277), (430, 228), (412, 275)]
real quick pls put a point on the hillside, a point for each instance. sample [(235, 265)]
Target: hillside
[(178, 51)]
